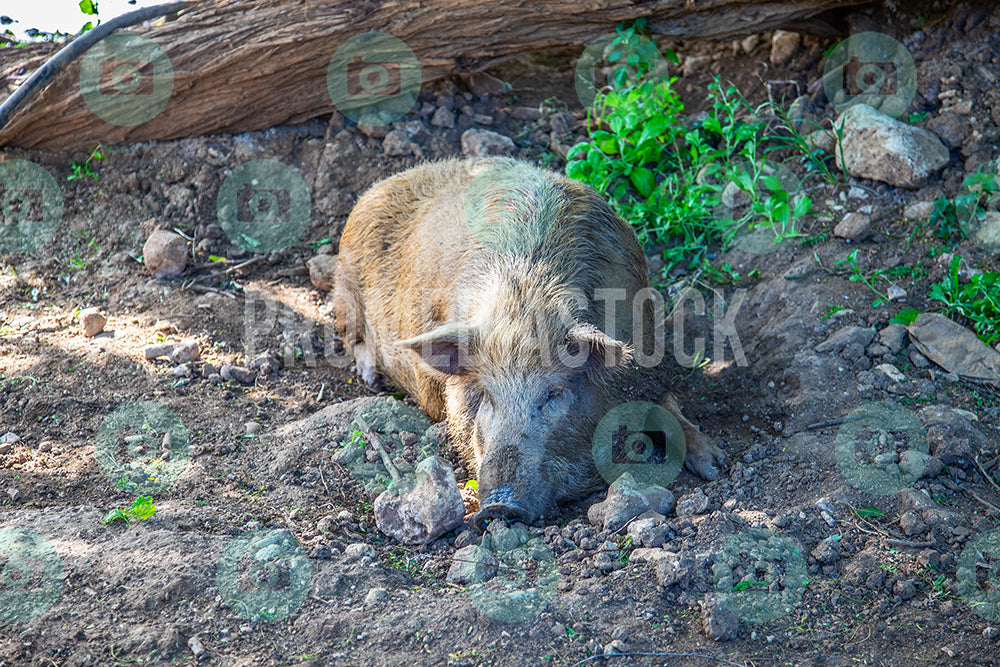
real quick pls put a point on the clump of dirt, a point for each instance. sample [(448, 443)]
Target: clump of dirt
[(263, 547)]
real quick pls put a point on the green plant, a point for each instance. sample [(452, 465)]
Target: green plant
[(857, 275), (949, 217), (831, 310), (83, 169), (977, 302), (141, 509), (664, 173)]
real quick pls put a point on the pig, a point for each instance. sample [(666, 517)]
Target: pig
[(475, 285)]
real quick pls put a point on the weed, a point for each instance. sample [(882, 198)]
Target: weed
[(949, 216), (141, 509), (83, 169), (831, 310), (857, 275), (977, 302)]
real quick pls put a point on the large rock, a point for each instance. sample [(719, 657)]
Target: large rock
[(421, 509), (881, 148), (165, 254), (627, 499)]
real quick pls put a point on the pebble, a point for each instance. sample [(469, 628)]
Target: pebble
[(376, 594), (165, 254), (92, 321)]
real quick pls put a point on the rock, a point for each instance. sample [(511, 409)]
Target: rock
[(951, 436), (718, 622), (891, 372), (471, 565), (988, 234), (616, 647), (893, 337), (895, 293), (749, 43), (673, 569), (951, 127), (954, 348), (881, 148), (918, 210), (443, 117), (359, 551), (648, 530), (265, 364), (692, 503), (911, 524), (482, 84), (92, 321), (826, 552), (397, 143), (990, 633), (321, 271), (375, 131), (376, 594), (918, 465), (419, 509), (197, 648), (904, 589), (526, 113), (241, 375), (252, 428), (165, 254), (845, 336), (918, 502), (628, 499), (783, 46), (823, 140), (482, 143), (854, 227), (694, 63), (186, 351)]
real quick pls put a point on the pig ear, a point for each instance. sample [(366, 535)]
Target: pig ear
[(447, 349), (604, 352)]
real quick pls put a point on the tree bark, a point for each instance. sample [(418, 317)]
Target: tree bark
[(240, 66)]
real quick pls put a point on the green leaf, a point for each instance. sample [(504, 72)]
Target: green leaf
[(643, 180), (115, 515), (472, 484), (905, 317), (142, 508), (868, 512), (88, 7)]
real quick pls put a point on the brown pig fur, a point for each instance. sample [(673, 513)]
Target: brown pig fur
[(459, 312)]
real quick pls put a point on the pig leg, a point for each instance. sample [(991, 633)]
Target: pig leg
[(704, 458)]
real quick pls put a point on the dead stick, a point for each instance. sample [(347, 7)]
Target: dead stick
[(988, 478)]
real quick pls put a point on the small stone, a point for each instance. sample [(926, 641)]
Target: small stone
[(893, 337), (182, 371), (252, 428), (895, 293), (443, 117), (749, 43), (420, 509), (197, 648), (854, 227), (892, 372), (322, 269), (359, 551), (185, 351), (472, 565), (826, 552), (911, 524), (155, 351), (241, 375), (9, 438), (397, 143), (621, 633), (783, 46), (718, 622), (483, 143), (92, 320), (165, 253), (692, 503), (919, 210), (627, 499), (991, 633), (918, 360), (376, 594), (904, 589)]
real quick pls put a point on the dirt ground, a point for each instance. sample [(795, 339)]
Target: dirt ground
[(255, 472)]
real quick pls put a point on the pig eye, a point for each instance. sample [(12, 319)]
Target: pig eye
[(552, 395)]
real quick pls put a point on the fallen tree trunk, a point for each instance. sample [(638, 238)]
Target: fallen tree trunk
[(238, 66)]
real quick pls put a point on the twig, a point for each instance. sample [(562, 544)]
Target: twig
[(322, 388), (988, 478), (372, 436), (323, 479), (203, 289), (905, 543), (829, 422), (993, 508)]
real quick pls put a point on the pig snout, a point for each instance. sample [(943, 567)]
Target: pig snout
[(511, 486), (502, 504)]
